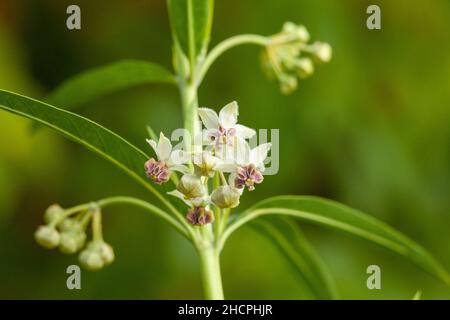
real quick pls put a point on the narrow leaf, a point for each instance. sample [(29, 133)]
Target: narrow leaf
[(341, 217), (81, 130), (104, 80), (191, 22), (293, 245)]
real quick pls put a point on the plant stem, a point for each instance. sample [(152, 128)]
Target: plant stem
[(211, 277), (228, 44), (205, 243)]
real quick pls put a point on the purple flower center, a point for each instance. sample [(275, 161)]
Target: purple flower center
[(199, 216), (248, 176), (223, 136), (157, 171)]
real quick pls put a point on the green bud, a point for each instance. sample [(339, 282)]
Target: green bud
[(47, 236), (191, 186), (91, 259), (226, 197), (53, 213), (304, 67), (107, 253), (70, 225), (298, 30), (68, 243), (288, 83), (71, 242), (322, 52)]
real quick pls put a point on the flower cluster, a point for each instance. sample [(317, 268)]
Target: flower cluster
[(289, 56), (68, 233), (224, 151)]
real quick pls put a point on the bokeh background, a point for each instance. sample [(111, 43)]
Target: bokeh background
[(370, 129)]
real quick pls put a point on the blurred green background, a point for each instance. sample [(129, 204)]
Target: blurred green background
[(370, 129)]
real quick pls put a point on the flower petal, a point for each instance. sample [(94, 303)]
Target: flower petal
[(225, 166), (179, 195), (241, 151), (180, 168), (178, 157), (244, 132), (228, 115), (209, 118), (153, 144), (164, 148), (259, 154)]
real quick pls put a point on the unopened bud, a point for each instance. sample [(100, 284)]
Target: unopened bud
[(299, 31), (288, 83), (322, 51), (107, 253), (226, 197), (71, 242), (53, 213), (47, 236), (70, 225), (91, 259), (304, 67), (191, 186)]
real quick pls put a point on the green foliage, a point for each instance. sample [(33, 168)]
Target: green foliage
[(191, 24), (293, 245), (101, 81), (338, 216), (81, 130)]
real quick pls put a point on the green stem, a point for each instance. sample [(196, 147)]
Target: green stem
[(228, 44), (205, 242), (211, 277)]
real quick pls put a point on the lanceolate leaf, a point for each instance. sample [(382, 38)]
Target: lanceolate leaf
[(101, 81), (338, 216), (191, 22), (288, 238), (86, 132)]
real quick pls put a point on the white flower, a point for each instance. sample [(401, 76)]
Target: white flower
[(247, 166), (193, 202), (205, 163), (160, 170), (223, 128)]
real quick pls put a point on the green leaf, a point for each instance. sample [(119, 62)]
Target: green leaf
[(191, 22), (104, 80), (418, 295), (293, 245), (338, 216), (84, 131)]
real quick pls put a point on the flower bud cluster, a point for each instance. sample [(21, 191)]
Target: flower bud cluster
[(68, 234), (289, 57)]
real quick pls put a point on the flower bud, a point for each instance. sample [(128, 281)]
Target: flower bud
[(107, 253), (199, 216), (70, 225), (47, 236), (322, 51), (91, 259), (298, 30), (304, 67), (191, 186), (71, 242), (288, 83), (53, 213), (226, 197)]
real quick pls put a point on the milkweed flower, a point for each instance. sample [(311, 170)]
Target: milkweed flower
[(248, 165), (222, 128), (167, 160)]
